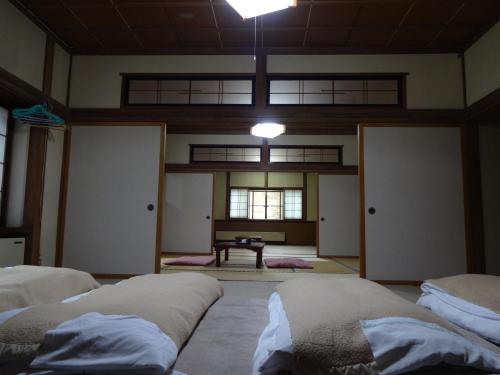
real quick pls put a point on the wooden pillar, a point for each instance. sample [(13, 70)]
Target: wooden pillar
[(35, 175), (473, 199), (261, 82)]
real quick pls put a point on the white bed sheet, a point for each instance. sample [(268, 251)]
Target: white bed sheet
[(473, 318), (389, 338), (6, 315), (274, 349)]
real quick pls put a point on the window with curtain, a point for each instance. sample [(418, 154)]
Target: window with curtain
[(263, 204)]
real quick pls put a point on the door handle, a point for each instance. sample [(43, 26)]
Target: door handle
[(322, 219), (372, 210), (208, 217), (151, 207)]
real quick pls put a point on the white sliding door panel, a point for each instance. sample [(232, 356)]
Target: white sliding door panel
[(338, 202), (113, 177), (413, 179), (187, 223)]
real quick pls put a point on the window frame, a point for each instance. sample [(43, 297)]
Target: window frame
[(193, 146), (339, 148), (127, 77), (280, 189), (399, 77)]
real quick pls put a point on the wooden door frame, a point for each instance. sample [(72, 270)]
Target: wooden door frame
[(339, 173), (362, 227), (61, 220), (212, 221)]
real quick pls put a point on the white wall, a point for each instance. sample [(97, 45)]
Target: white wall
[(60, 75), (22, 45), (17, 182), (482, 65), (96, 80), (434, 81), (50, 209), (489, 138)]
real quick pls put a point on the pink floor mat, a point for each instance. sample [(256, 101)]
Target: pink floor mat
[(287, 263), (191, 261)]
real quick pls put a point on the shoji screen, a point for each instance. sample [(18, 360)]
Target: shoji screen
[(112, 199), (338, 211), (187, 224), (413, 214)]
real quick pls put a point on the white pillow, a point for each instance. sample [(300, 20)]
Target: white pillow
[(401, 345), (477, 319), (100, 343)]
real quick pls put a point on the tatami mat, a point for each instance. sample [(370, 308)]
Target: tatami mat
[(241, 265)]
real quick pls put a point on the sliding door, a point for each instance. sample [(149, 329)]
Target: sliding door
[(413, 202), (112, 212), (187, 224), (338, 225)]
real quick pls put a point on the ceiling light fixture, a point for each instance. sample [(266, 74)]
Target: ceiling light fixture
[(267, 130), (254, 8)]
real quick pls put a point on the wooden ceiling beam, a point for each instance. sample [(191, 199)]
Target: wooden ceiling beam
[(450, 20), (79, 20), (193, 3), (349, 35), (267, 50), (308, 24), (219, 37), (125, 22), (264, 28), (401, 23), (300, 37)]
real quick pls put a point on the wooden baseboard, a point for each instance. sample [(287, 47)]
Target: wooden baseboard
[(107, 276), (399, 282), (338, 256)]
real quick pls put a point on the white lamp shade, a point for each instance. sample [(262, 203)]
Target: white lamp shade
[(267, 130), (254, 8)]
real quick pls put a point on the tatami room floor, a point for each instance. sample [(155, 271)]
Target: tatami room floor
[(241, 265)]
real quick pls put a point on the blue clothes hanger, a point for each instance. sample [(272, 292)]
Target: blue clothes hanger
[(38, 115)]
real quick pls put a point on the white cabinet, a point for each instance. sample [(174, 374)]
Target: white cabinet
[(11, 251)]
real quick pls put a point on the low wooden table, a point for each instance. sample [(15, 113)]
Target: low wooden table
[(257, 247)]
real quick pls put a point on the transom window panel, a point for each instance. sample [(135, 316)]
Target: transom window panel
[(306, 154), (188, 91), (263, 204), (225, 154), (342, 90)]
